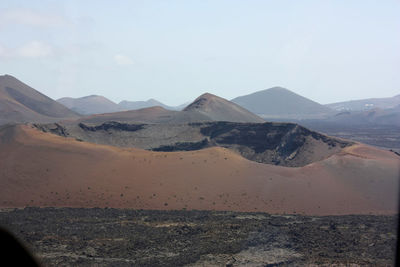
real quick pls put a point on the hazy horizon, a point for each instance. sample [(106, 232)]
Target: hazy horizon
[(173, 51)]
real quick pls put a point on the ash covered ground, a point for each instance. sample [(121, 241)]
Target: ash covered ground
[(116, 237)]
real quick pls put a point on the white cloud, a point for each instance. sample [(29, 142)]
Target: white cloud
[(122, 60), (31, 18), (32, 49)]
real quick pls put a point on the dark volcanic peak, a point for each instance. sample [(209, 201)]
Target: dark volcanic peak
[(280, 102), (21, 103), (219, 109)]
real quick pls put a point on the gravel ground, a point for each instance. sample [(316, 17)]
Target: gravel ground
[(116, 237)]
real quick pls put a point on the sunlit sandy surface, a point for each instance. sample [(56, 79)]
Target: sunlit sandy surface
[(41, 169)]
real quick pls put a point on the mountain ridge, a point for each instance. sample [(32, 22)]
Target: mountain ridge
[(279, 102), (220, 109), (206, 107), (91, 104), (365, 104), (21, 103), (98, 104)]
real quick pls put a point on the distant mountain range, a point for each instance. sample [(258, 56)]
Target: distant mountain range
[(206, 107), (376, 116), (274, 104), (130, 105), (95, 104), (366, 104), (280, 104), (20, 103)]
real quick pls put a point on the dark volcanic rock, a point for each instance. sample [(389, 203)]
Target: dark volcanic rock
[(258, 137), (284, 144), (112, 125), (277, 143), (184, 146), (115, 237), (53, 128)]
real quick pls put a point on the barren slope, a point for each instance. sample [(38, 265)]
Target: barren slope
[(21, 103), (41, 169), (278, 102), (284, 144), (219, 109)]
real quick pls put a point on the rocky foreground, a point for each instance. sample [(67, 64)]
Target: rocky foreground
[(119, 237)]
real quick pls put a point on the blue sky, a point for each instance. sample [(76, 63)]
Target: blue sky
[(174, 51)]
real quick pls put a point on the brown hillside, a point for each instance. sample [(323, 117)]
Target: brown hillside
[(207, 107), (21, 103), (219, 109), (41, 169)]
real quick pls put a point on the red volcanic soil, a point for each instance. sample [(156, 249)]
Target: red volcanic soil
[(41, 169)]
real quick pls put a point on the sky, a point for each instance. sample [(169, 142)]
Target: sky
[(174, 51)]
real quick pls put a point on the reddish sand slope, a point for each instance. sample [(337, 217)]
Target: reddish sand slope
[(40, 169)]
